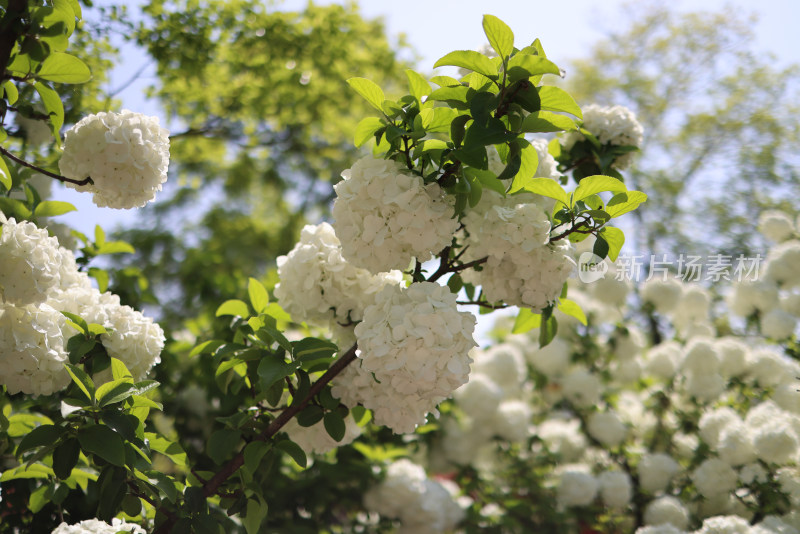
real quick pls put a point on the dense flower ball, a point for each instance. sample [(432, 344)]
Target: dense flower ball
[(616, 125), (577, 486), (125, 154), (95, 526), (422, 505), (385, 216), (318, 285), (32, 354), (315, 439), (775, 225), (134, 339), (30, 263), (416, 342)]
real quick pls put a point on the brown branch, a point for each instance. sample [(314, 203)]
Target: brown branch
[(9, 155), (211, 486), (482, 304)]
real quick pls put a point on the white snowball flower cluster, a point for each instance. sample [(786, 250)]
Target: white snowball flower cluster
[(666, 510), (577, 486), (385, 216), (36, 131), (125, 154), (775, 225), (607, 428), (656, 471), (33, 335), (315, 439), (32, 354), (513, 232), (782, 261), (615, 488), (30, 263), (421, 504), (415, 344), (616, 125), (95, 526), (318, 285)]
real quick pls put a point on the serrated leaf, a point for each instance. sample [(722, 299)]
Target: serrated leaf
[(615, 239), (556, 99), (526, 320), (591, 185), (61, 67), (104, 442), (499, 34), (259, 298), (541, 186), (418, 84), (52, 208), (5, 175), (547, 121), (83, 381), (366, 130), (334, 425), (469, 59), (39, 436), (233, 307), (369, 90), (571, 308), (294, 451)]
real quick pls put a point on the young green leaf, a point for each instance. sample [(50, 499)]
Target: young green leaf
[(83, 381), (258, 295), (369, 90), (547, 121), (598, 183), (51, 208), (418, 84), (526, 321), (615, 239), (366, 130), (622, 203), (64, 68), (469, 59), (556, 99), (5, 175), (254, 516), (541, 186), (54, 107), (499, 34), (233, 307), (571, 308)]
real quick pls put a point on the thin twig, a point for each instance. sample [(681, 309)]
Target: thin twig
[(9, 155), (482, 304)]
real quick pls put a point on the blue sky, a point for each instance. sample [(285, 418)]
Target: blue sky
[(434, 27)]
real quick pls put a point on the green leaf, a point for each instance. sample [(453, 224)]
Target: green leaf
[(570, 307), (101, 275), (469, 59), (61, 67), (369, 90), (526, 320), (39, 497), (492, 133), (418, 84), (39, 436), (591, 185), (253, 453), (26, 471), (5, 175), (65, 458), (52, 208), (622, 203), (10, 92), (457, 93), (259, 298), (366, 130), (334, 425), (222, 444), (445, 81), (104, 442), (166, 484), (312, 348), (293, 450), (547, 331), (437, 119), (114, 391), (271, 369), (310, 415), (171, 450), (541, 186), (547, 121), (115, 247), (54, 107), (499, 34), (119, 371), (556, 99), (15, 208), (76, 321), (255, 515), (601, 247), (233, 307), (529, 65), (83, 380), (615, 239), (206, 347)]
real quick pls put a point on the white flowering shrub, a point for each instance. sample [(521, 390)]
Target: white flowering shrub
[(94, 526), (125, 154)]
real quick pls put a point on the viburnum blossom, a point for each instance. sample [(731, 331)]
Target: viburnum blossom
[(95, 526), (577, 486), (315, 439), (125, 154), (30, 263), (775, 225), (385, 216), (318, 285), (616, 125), (416, 343), (423, 505), (32, 354)]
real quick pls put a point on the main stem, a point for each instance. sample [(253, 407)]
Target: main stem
[(211, 486)]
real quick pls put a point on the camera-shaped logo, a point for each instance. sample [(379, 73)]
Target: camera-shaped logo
[(591, 268)]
